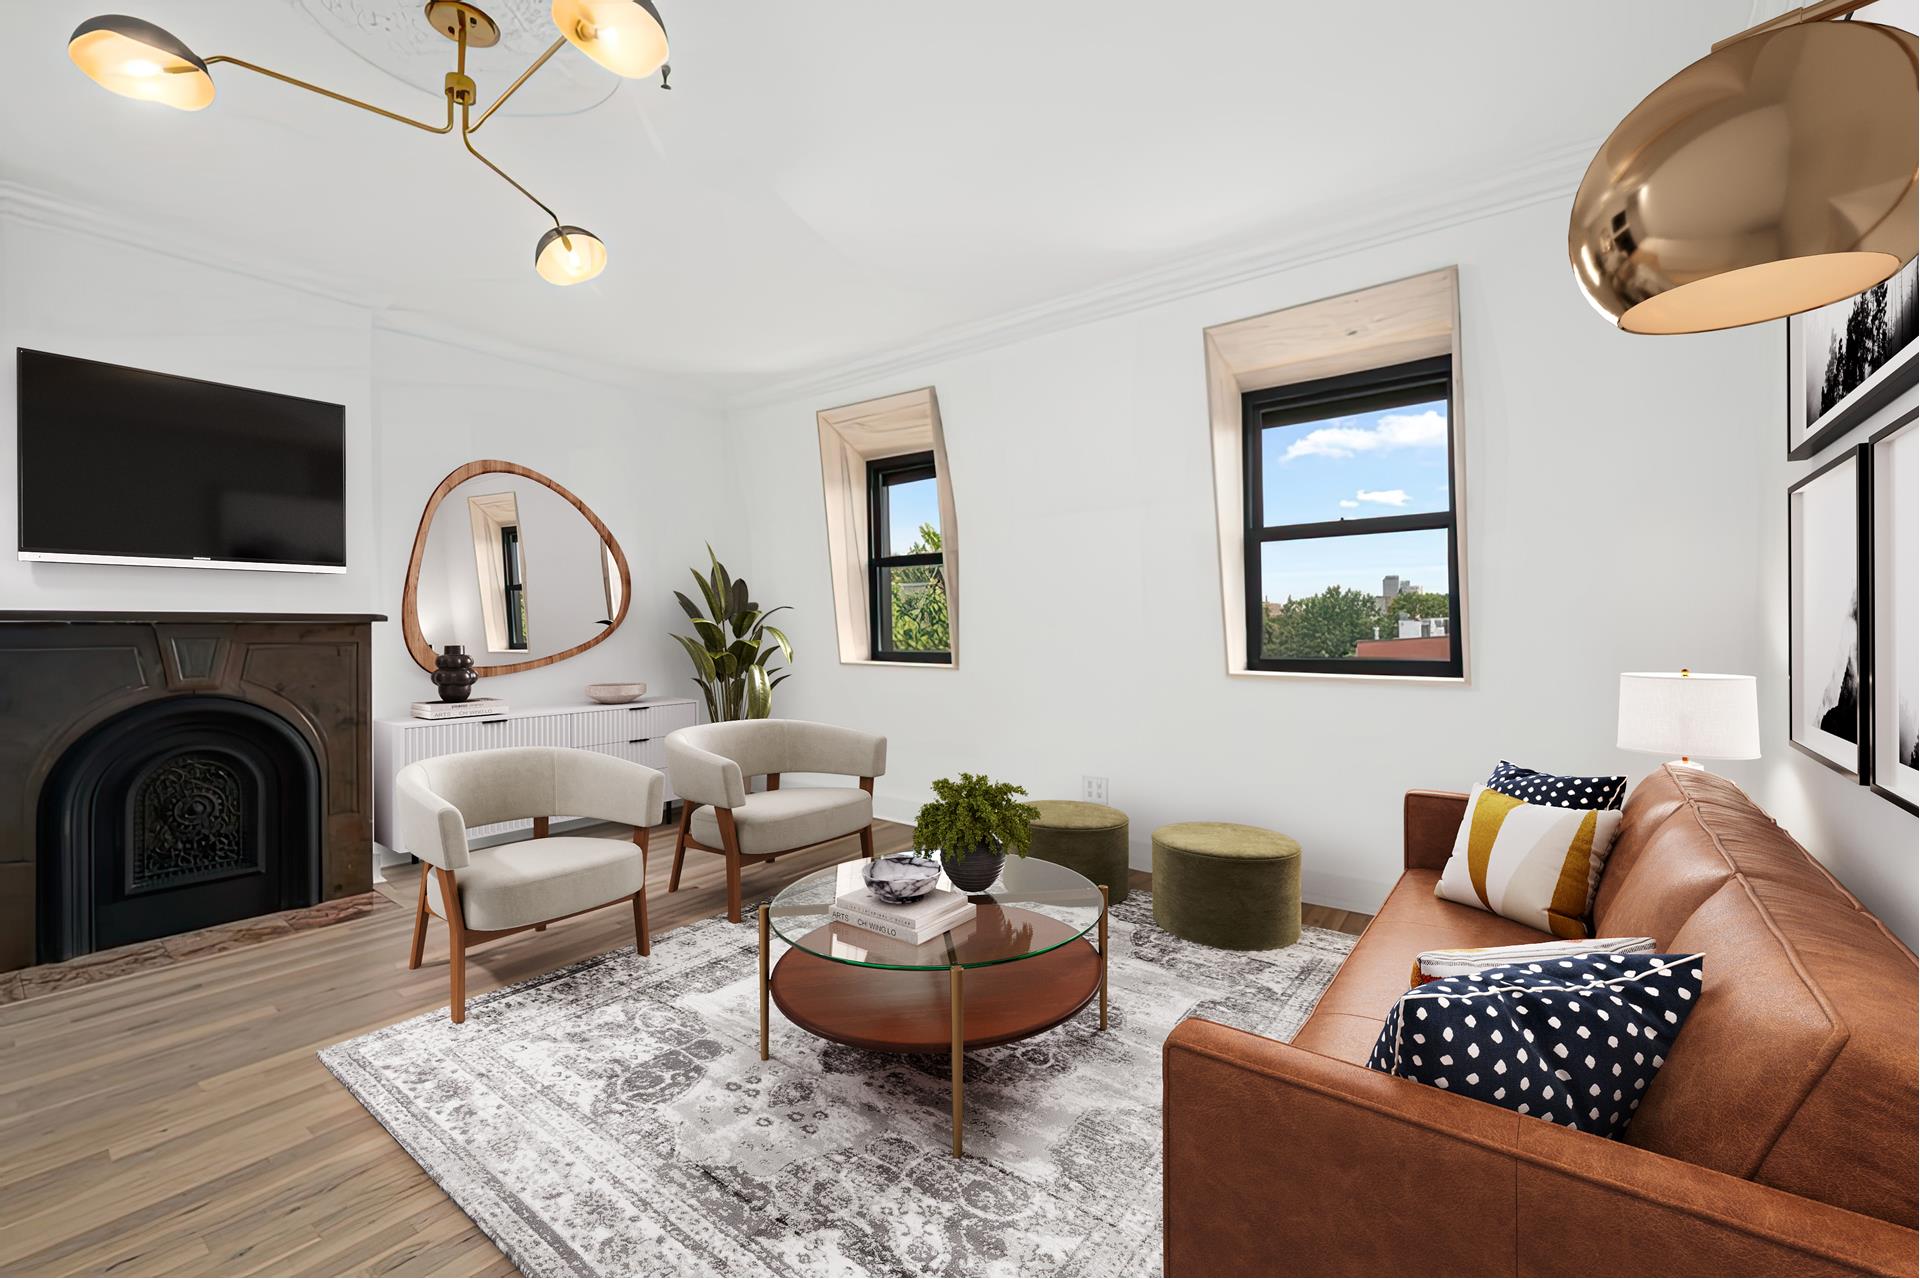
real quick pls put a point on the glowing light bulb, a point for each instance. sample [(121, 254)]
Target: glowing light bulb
[(569, 255), (140, 67)]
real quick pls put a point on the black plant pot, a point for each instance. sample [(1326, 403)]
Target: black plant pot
[(975, 871), (453, 673)]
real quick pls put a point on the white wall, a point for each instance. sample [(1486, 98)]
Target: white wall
[(647, 458), (646, 454), (1611, 526), (1869, 842), (79, 294)]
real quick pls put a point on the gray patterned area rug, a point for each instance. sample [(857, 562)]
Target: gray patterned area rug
[(614, 1117)]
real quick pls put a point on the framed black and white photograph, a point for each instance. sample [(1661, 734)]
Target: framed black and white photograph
[(1848, 360), (1895, 558), (1827, 613)]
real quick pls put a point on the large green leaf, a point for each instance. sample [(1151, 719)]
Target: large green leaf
[(688, 607), (710, 593), (739, 602), (775, 681), (743, 652), (759, 693), (743, 623), (711, 634), (780, 638), (702, 660)]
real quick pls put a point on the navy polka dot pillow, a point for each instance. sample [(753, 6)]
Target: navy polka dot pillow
[(1572, 1041), (1555, 791)]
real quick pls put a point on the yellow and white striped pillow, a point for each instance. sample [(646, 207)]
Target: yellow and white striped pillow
[(1535, 864)]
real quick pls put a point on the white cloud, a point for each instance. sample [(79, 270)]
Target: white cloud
[(1399, 431), (1349, 504), (1383, 497)]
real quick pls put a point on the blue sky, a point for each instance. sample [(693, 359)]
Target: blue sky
[(1388, 462), (908, 507)]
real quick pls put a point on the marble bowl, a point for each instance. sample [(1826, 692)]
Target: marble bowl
[(902, 877), (616, 694)]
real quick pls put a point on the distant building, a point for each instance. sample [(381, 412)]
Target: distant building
[(1394, 585), (1436, 648)]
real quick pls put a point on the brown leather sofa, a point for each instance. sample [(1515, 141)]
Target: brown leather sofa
[(1778, 1139)]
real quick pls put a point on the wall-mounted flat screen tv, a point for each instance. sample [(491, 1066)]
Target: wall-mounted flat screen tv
[(120, 465)]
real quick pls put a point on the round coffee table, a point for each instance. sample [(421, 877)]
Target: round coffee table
[(1022, 965)]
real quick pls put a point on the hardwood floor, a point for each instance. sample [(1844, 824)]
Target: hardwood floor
[(177, 1121)]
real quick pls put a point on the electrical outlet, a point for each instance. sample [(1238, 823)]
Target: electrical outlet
[(1093, 790)]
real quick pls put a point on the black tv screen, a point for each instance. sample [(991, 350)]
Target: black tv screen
[(122, 464)]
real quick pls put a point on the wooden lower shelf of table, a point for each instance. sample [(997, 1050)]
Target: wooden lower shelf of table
[(911, 1010)]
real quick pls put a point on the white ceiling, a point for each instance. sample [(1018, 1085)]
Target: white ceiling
[(827, 179)]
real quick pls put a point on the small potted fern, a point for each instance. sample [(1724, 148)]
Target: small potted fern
[(972, 824)]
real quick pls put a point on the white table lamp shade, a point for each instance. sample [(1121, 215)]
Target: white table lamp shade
[(1690, 714)]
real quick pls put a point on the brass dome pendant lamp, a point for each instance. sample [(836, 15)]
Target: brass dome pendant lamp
[(1773, 176), (139, 60)]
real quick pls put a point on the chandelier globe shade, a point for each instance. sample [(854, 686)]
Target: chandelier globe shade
[(627, 37), (1773, 176), (569, 255), (138, 60)]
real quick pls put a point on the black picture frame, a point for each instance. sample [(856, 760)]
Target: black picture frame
[(1861, 455), (1882, 387), (1876, 677), (1430, 378)]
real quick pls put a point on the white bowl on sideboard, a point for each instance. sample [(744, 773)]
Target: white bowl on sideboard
[(616, 694)]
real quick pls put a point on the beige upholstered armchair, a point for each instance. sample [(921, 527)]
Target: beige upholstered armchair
[(710, 765), (484, 893)]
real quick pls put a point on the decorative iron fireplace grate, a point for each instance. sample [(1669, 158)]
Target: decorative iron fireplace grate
[(174, 815)]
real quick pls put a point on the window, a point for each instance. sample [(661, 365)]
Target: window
[(907, 589), (514, 587), (1351, 544)]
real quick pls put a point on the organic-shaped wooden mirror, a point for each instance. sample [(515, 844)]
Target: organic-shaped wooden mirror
[(514, 567)]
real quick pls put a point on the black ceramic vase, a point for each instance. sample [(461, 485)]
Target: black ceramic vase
[(453, 673), (975, 871)]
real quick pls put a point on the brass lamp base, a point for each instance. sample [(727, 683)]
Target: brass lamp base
[(444, 16)]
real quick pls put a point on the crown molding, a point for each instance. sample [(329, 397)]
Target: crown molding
[(37, 207), (1553, 174), (1333, 233)]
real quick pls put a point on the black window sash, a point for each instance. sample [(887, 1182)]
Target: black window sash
[(1398, 386), (882, 475)]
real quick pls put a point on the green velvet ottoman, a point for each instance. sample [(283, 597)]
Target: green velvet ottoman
[(1221, 884), (1089, 838)]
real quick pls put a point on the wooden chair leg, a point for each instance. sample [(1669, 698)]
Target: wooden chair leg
[(866, 841), (420, 922), (539, 928), (680, 846), (641, 941), (730, 840), (456, 946)]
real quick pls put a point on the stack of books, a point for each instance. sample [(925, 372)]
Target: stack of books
[(915, 923), (459, 710)]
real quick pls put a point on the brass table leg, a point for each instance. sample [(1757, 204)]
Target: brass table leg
[(1103, 956), (763, 981), (959, 1052)]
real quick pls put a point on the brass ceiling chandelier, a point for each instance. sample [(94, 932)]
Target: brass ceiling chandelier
[(138, 60), (1775, 175)]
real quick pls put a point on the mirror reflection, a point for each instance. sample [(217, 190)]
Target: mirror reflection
[(515, 572)]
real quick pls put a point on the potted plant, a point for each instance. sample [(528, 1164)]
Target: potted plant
[(730, 652), (973, 823)]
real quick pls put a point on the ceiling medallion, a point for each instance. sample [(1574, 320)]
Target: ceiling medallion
[(1773, 176), (139, 60), (392, 39)]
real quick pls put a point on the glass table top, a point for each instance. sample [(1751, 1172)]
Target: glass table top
[(1034, 907)]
